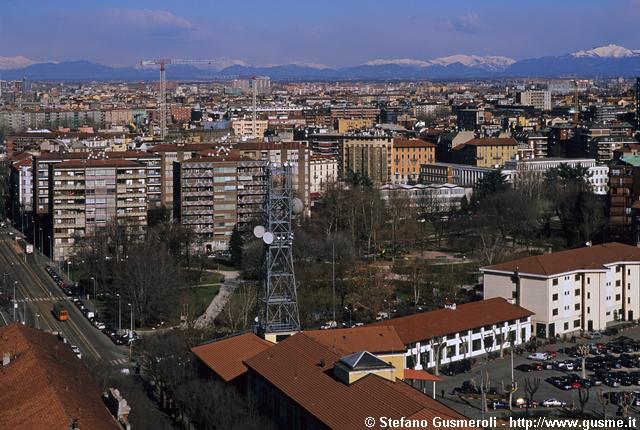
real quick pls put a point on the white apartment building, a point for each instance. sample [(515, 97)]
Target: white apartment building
[(539, 99), (322, 171), (598, 174), (580, 289), (459, 332)]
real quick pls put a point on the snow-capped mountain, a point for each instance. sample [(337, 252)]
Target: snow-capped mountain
[(399, 62), (17, 62), (608, 51), (485, 62)]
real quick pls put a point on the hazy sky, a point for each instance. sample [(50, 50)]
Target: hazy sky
[(331, 32)]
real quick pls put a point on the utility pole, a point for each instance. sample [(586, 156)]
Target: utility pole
[(119, 313), (15, 302), (131, 333), (333, 274), (94, 287)]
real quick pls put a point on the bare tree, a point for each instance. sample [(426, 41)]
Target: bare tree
[(583, 352), (241, 307), (437, 345), (531, 386), (483, 385), (603, 401), (625, 401)]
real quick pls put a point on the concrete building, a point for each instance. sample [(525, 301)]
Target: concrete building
[(87, 194), (21, 183), (450, 173), (322, 171), (580, 289), (346, 125), (624, 195), (429, 197), (216, 193), (598, 174), (406, 158), (539, 99), (368, 156), (486, 152), (244, 128)]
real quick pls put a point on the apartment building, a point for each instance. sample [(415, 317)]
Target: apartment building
[(579, 289), (345, 125), (368, 156), (216, 193), (539, 99), (323, 170), (87, 194), (624, 194), (486, 152), (296, 154), (21, 182), (244, 128), (407, 156)]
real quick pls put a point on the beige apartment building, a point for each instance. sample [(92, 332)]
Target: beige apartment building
[(214, 194), (368, 156), (87, 194), (244, 128), (580, 289)]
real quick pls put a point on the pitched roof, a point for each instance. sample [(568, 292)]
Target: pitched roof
[(429, 325), (412, 143), (364, 360), (492, 141), (375, 339), (300, 368), (225, 357), (587, 258), (45, 386)]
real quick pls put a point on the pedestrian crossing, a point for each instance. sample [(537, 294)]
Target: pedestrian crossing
[(118, 361), (42, 299)]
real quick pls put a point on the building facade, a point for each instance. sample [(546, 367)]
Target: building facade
[(407, 156)]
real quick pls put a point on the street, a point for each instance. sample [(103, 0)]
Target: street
[(36, 294)]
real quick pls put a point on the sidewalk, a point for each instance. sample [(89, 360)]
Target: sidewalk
[(218, 302)]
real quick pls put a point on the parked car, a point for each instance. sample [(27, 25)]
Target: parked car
[(593, 335), (498, 404), (539, 356), (553, 403)]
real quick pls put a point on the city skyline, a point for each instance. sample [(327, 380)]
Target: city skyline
[(334, 34)]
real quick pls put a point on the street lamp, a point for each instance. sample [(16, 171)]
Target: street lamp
[(94, 287), (119, 313), (38, 321), (15, 302), (68, 270), (50, 247), (131, 332), (351, 311)]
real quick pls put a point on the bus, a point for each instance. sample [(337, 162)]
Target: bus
[(60, 312)]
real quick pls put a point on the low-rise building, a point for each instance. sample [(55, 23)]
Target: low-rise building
[(429, 198), (486, 152), (244, 128), (568, 291), (449, 173)]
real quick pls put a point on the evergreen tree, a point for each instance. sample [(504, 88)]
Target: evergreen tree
[(235, 247)]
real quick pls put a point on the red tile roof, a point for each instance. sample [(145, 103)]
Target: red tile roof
[(300, 368), (412, 143), (45, 386), (587, 258), (420, 375), (375, 339), (225, 357), (441, 322)]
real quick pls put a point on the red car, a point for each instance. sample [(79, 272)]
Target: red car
[(552, 354)]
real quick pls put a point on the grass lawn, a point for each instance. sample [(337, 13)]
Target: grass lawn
[(200, 297)]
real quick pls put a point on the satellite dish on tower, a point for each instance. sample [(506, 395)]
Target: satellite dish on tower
[(296, 206), (258, 231), (267, 238)]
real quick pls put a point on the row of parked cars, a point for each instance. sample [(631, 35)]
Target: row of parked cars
[(522, 403), (116, 338), (68, 289)]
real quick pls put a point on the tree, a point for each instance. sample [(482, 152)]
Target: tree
[(583, 398), (531, 386), (239, 311), (583, 353), (235, 247), (437, 345), (491, 183), (603, 402)]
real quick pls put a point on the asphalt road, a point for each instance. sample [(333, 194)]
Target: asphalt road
[(500, 373), (36, 294)]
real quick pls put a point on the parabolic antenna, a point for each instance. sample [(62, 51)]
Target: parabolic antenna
[(267, 238), (258, 231), (296, 205)]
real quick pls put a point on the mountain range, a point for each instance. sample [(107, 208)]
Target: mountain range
[(609, 60)]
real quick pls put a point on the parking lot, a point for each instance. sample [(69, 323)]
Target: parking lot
[(611, 367)]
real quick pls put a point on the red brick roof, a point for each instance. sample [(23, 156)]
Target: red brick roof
[(45, 386), (301, 369), (587, 258), (225, 357), (412, 143), (441, 322), (375, 339)]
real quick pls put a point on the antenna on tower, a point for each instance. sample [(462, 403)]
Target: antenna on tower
[(279, 315)]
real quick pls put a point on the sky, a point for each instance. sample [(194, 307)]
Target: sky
[(329, 32)]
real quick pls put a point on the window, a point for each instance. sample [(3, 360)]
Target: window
[(618, 283), (577, 277), (588, 295), (554, 297), (555, 312), (577, 307), (555, 281), (617, 269), (577, 292), (588, 309), (566, 326), (588, 281), (576, 323), (476, 345), (617, 297)]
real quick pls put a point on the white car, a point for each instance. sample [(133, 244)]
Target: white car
[(553, 403), (76, 351), (539, 356)]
